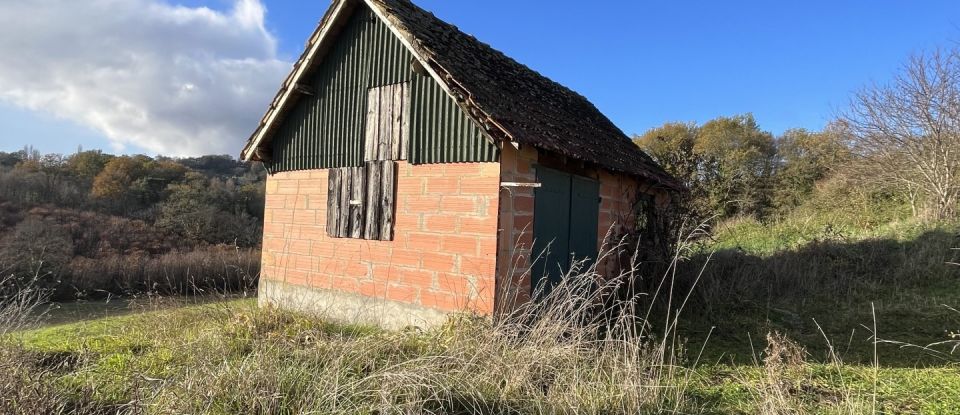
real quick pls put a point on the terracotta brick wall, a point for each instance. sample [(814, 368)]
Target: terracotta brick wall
[(617, 192), (443, 255), (516, 224)]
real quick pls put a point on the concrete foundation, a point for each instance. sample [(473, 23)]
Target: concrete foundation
[(346, 307)]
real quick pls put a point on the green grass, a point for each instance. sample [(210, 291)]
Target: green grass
[(824, 281), (232, 349), (825, 273)]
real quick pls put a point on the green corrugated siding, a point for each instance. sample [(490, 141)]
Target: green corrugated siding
[(440, 131), (327, 129)]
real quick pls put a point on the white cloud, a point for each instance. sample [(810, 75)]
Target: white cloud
[(169, 79)]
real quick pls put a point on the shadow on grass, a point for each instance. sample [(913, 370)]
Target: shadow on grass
[(823, 294)]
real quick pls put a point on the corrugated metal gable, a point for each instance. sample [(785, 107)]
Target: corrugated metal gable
[(327, 129)]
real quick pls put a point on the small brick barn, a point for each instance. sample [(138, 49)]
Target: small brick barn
[(414, 171)]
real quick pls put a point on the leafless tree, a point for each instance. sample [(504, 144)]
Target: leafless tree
[(907, 132)]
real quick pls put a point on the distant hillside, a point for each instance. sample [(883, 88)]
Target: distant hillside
[(60, 213)]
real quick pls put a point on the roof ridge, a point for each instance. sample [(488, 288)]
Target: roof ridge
[(509, 100)]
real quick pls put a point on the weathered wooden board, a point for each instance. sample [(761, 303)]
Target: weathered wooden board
[(361, 201), (387, 128), (372, 219), (388, 183), (405, 122), (371, 133), (358, 192), (343, 228), (396, 121), (386, 125), (333, 203)]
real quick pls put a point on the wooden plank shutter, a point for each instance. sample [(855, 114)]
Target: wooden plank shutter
[(372, 217), (358, 185), (333, 203), (345, 202), (386, 134), (380, 199)]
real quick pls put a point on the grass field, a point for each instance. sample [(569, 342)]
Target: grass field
[(231, 357), (808, 314)]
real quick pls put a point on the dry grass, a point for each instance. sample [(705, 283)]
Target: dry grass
[(202, 271), (581, 350)]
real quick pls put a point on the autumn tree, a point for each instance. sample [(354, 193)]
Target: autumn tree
[(127, 184), (738, 161), (672, 146), (87, 164), (726, 164), (210, 210), (806, 157), (112, 184)]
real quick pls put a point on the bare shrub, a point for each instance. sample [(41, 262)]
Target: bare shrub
[(908, 132), (36, 252), (212, 269)]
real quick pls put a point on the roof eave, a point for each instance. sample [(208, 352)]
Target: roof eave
[(287, 92)]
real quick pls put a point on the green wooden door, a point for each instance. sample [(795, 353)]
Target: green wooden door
[(551, 229), (584, 219), (566, 211)]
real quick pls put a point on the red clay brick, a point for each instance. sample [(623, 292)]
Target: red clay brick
[(523, 203), (426, 170), (356, 269), (412, 277), (312, 187), (304, 262), (461, 169), (445, 185), (488, 245), (466, 245), (439, 261), (461, 204), (440, 223), (281, 216), (296, 277), (407, 221), (428, 204), (376, 254), (490, 170), (523, 223), (425, 242), (479, 185), (305, 217), (318, 203), (287, 187), (312, 233), (345, 284), (481, 225), (298, 247), (405, 258), (402, 294), (453, 283), (524, 167), (382, 272), (442, 301), (374, 288), (476, 266)]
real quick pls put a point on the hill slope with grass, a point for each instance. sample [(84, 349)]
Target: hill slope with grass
[(826, 274)]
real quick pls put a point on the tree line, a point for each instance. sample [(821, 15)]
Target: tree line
[(63, 216), (897, 140)]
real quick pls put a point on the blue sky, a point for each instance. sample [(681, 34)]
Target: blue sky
[(643, 63)]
